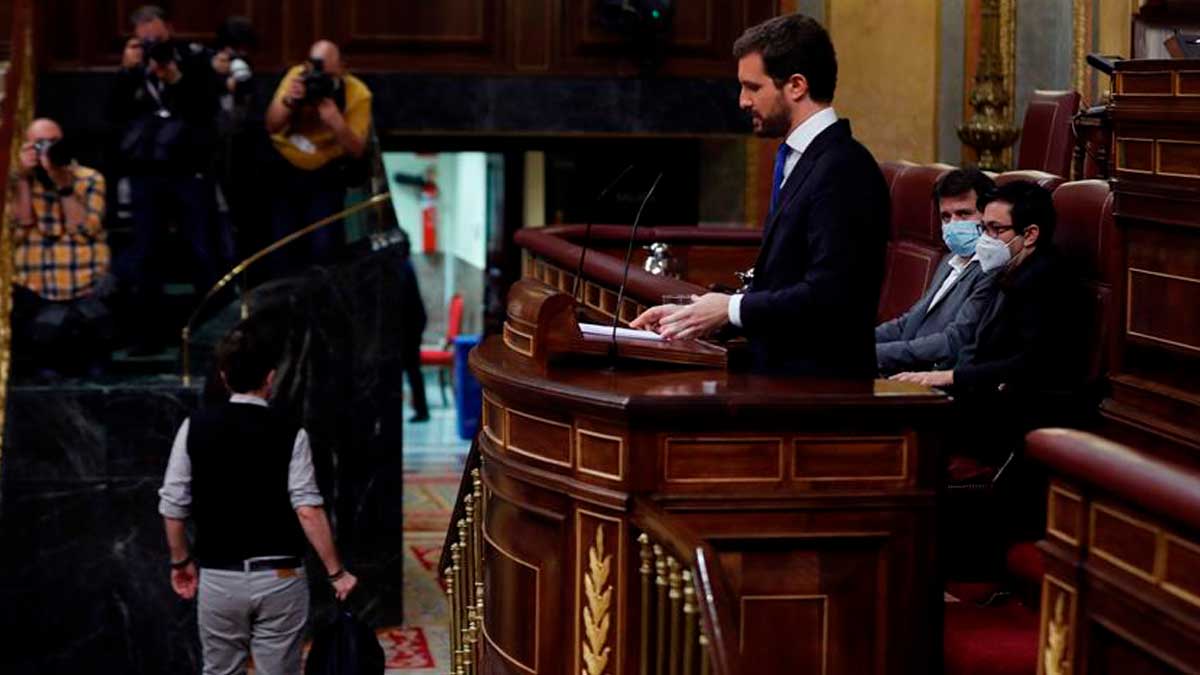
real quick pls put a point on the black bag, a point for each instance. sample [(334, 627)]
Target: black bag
[(345, 646)]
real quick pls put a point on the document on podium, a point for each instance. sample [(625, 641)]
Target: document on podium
[(627, 333)]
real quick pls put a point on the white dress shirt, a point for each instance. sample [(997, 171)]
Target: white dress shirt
[(958, 265), (175, 497), (797, 142)]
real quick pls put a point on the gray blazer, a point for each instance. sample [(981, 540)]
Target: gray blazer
[(920, 339)]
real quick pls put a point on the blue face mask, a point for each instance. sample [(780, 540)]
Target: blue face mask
[(960, 236)]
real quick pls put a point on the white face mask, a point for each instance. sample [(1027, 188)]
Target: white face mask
[(992, 253)]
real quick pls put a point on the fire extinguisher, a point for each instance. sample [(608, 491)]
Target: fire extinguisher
[(429, 194)]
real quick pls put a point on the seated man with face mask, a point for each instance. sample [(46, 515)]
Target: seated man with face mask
[(1022, 341), (937, 327)]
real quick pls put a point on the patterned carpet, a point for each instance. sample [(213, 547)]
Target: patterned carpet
[(421, 645)]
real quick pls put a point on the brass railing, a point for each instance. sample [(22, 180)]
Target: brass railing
[(684, 618), (240, 268), (17, 113), (464, 581)]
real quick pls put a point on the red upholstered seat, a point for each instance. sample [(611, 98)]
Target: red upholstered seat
[(1025, 563), (1047, 135), (443, 358)]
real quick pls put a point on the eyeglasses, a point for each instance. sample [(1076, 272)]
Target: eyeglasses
[(993, 229)]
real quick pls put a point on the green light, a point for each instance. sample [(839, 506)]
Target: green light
[(656, 14)]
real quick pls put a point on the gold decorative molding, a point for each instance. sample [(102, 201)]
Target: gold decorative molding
[(1055, 639), (597, 612), (1052, 525), (990, 130), (1081, 29), (1057, 633)]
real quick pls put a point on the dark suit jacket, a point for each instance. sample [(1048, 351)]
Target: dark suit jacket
[(1024, 339), (920, 339), (811, 308)]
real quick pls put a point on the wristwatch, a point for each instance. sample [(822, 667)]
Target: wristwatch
[(182, 563)]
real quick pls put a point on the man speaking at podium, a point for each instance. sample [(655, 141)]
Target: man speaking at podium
[(811, 307)]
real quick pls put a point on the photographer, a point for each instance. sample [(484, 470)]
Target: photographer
[(60, 322), (164, 104), (318, 120)]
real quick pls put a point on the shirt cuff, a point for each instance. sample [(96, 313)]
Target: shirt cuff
[(735, 309), (169, 509)]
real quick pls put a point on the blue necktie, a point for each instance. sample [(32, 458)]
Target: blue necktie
[(781, 156)]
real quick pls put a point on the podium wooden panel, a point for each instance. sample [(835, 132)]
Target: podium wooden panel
[(817, 498)]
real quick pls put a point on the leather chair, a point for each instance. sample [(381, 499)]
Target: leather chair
[(916, 237), (1047, 132), (1049, 181)]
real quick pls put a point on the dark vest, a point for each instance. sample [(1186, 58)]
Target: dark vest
[(240, 455)]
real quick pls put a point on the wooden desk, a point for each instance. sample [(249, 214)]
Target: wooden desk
[(794, 517)]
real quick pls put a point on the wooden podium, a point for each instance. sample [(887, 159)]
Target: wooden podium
[(648, 518)]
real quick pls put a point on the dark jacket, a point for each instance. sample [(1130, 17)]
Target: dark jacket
[(182, 140), (920, 339), (1024, 337), (811, 308)]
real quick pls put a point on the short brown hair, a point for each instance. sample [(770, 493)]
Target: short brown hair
[(245, 356), (794, 44)]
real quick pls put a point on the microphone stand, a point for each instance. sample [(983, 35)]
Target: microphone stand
[(612, 350)]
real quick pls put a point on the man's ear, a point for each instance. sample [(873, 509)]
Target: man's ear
[(224, 380), (796, 87), (271, 379), (1031, 235)]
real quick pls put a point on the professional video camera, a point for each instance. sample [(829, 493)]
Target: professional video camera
[(57, 152)]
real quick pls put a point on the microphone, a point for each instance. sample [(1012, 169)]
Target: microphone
[(587, 230), (612, 351)]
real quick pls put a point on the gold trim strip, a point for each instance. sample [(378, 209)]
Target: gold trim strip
[(509, 412), (1181, 593), (724, 479), (904, 449), (1158, 143), (1118, 154), (1054, 531), (513, 346), (620, 475), (1112, 558), (503, 440), (537, 626), (1129, 303), (822, 597), (1121, 83), (1179, 77)]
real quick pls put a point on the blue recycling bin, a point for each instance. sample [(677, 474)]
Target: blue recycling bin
[(468, 395)]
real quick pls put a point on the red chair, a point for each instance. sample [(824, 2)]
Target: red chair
[(1048, 134), (444, 358)]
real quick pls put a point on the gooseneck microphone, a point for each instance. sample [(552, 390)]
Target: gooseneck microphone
[(628, 258), (587, 229)]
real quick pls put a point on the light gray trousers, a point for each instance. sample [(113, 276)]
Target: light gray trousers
[(262, 613)]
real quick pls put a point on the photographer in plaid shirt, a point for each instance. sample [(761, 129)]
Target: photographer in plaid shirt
[(62, 260)]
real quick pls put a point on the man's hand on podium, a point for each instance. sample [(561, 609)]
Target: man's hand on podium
[(702, 318)]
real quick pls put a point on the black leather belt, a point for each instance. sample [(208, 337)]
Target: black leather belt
[(257, 565)]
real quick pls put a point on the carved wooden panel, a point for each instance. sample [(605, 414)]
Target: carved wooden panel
[(1064, 515), (1056, 642), (722, 460), (558, 37), (539, 437), (830, 458), (601, 455), (599, 594)]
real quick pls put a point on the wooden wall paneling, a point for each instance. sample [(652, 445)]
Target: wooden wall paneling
[(455, 35), (532, 34)]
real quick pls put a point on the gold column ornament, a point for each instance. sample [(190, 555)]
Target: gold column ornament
[(1054, 659), (990, 131), (647, 557), (596, 614)]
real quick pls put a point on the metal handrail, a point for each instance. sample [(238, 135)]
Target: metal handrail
[(241, 267)]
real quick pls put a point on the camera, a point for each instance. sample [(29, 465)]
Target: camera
[(57, 152), (318, 84), (161, 52)]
